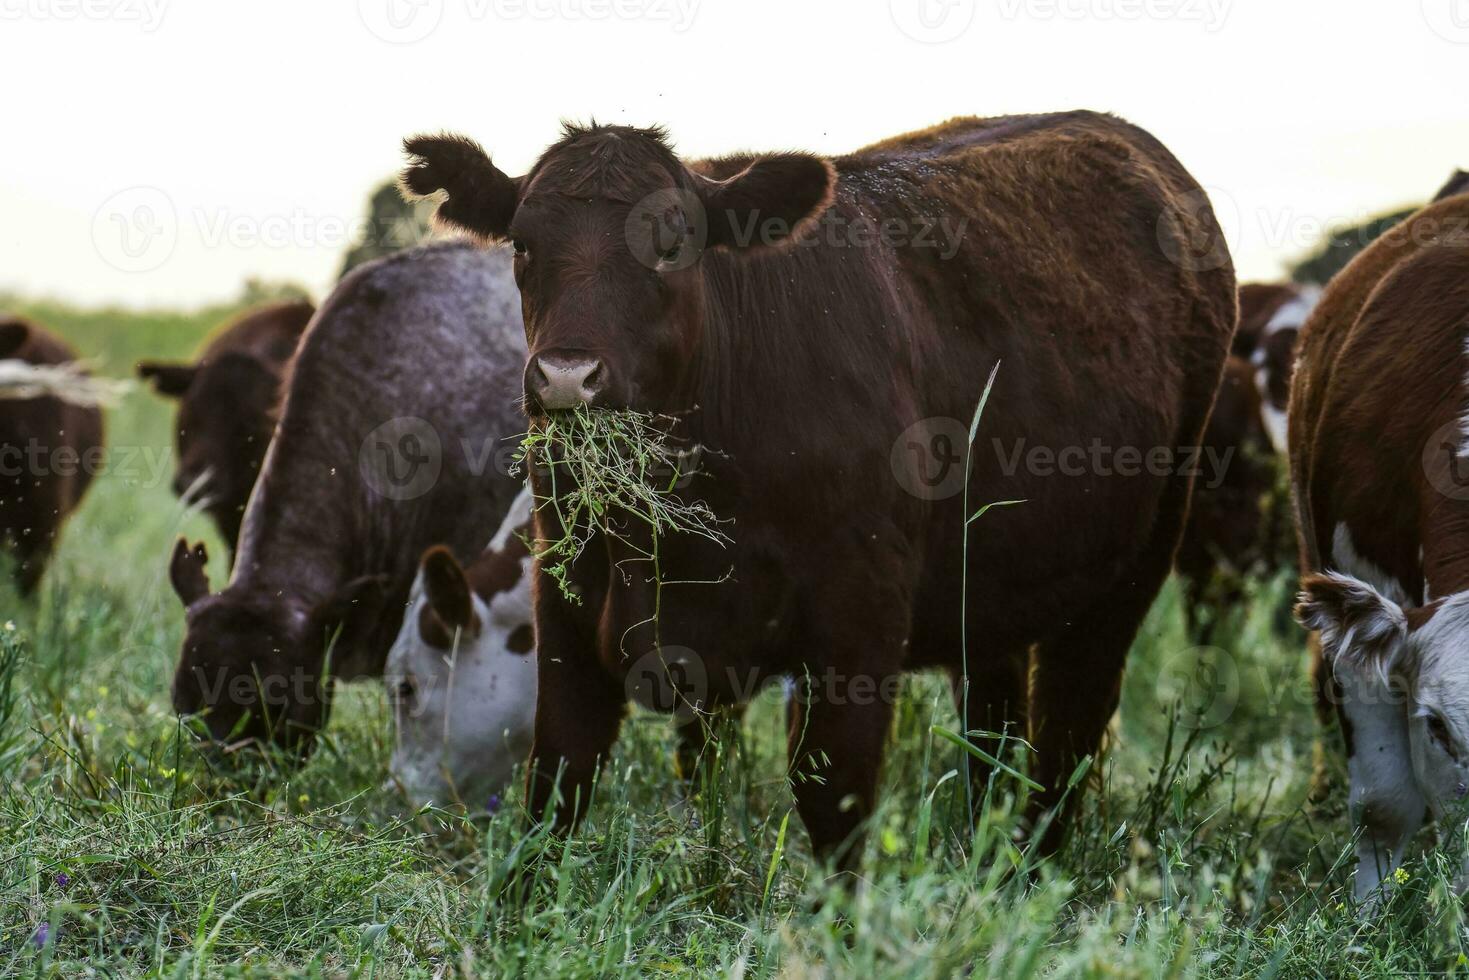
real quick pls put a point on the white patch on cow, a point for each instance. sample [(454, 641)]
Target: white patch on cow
[(1293, 313), (1276, 422), (471, 715)]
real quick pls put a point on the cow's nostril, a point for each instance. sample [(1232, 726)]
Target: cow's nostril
[(560, 382)]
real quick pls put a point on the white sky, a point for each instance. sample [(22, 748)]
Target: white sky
[(256, 129)]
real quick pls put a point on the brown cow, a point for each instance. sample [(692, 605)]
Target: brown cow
[(1379, 474), (802, 317), (227, 407), (399, 400), (49, 452)]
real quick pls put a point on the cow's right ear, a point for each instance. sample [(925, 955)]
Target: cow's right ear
[(447, 589), (168, 378), (482, 199), (186, 572), (1359, 626), (13, 335), (1457, 184)]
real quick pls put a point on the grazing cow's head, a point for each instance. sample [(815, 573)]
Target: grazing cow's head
[(1419, 650), (256, 667), (462, 673), (609, 228), (225, 419)]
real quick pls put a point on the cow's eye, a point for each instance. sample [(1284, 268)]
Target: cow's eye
[(1438, 730), (405, 690), (518, 245)]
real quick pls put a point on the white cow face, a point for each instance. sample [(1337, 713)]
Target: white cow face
[(463, 672), (1404, 675)]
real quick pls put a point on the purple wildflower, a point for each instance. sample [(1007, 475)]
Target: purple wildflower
[(492, 805), (63, 879), (43, 933)]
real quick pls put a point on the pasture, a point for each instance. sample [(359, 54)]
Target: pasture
[(128, 848)]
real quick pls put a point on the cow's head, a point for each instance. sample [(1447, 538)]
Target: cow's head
[(1274, 358), (609, 230), (225, 419), (1385, 646), (462, 676), (255, 667)]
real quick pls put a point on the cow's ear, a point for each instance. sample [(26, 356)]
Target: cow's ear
[(771, 201), (13, 335), (1457, 184), (1359, 626), (351, 611), (186, 572), (168, 378), (447, 589), (481, 199)]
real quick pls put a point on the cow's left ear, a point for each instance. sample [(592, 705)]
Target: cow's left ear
[(770, 202), (482, 199), (353, 609), (1359, 626)]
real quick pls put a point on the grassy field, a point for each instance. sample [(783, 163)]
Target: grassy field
[(126, 850)]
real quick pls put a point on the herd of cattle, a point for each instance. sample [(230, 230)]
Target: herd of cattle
[(797, 357)]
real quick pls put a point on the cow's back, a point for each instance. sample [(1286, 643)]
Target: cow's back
[(1384, 347), (401, 402)]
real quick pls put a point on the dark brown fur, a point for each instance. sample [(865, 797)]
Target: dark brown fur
[(227, 400), (802, 362), (38, 490)]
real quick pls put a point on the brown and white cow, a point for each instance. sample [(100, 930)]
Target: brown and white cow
[(462, 672), (1378, 466), (797, 315), (49, 452), (1270, 319), (400, 400), (227, 407)]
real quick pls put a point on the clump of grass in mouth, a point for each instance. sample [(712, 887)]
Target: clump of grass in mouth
[(612, 472)]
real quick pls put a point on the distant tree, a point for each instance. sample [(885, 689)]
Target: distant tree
[(257, 291), (1341, 246), (392, 224)]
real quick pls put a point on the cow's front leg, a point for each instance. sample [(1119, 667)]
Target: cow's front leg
[(579, 710), (838, 727)]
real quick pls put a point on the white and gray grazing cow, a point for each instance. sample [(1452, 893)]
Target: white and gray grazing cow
[(462, 672)]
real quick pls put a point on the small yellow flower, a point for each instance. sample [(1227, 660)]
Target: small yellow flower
[(91, 714), (102, 690), (303, 799), (1401, 876)]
